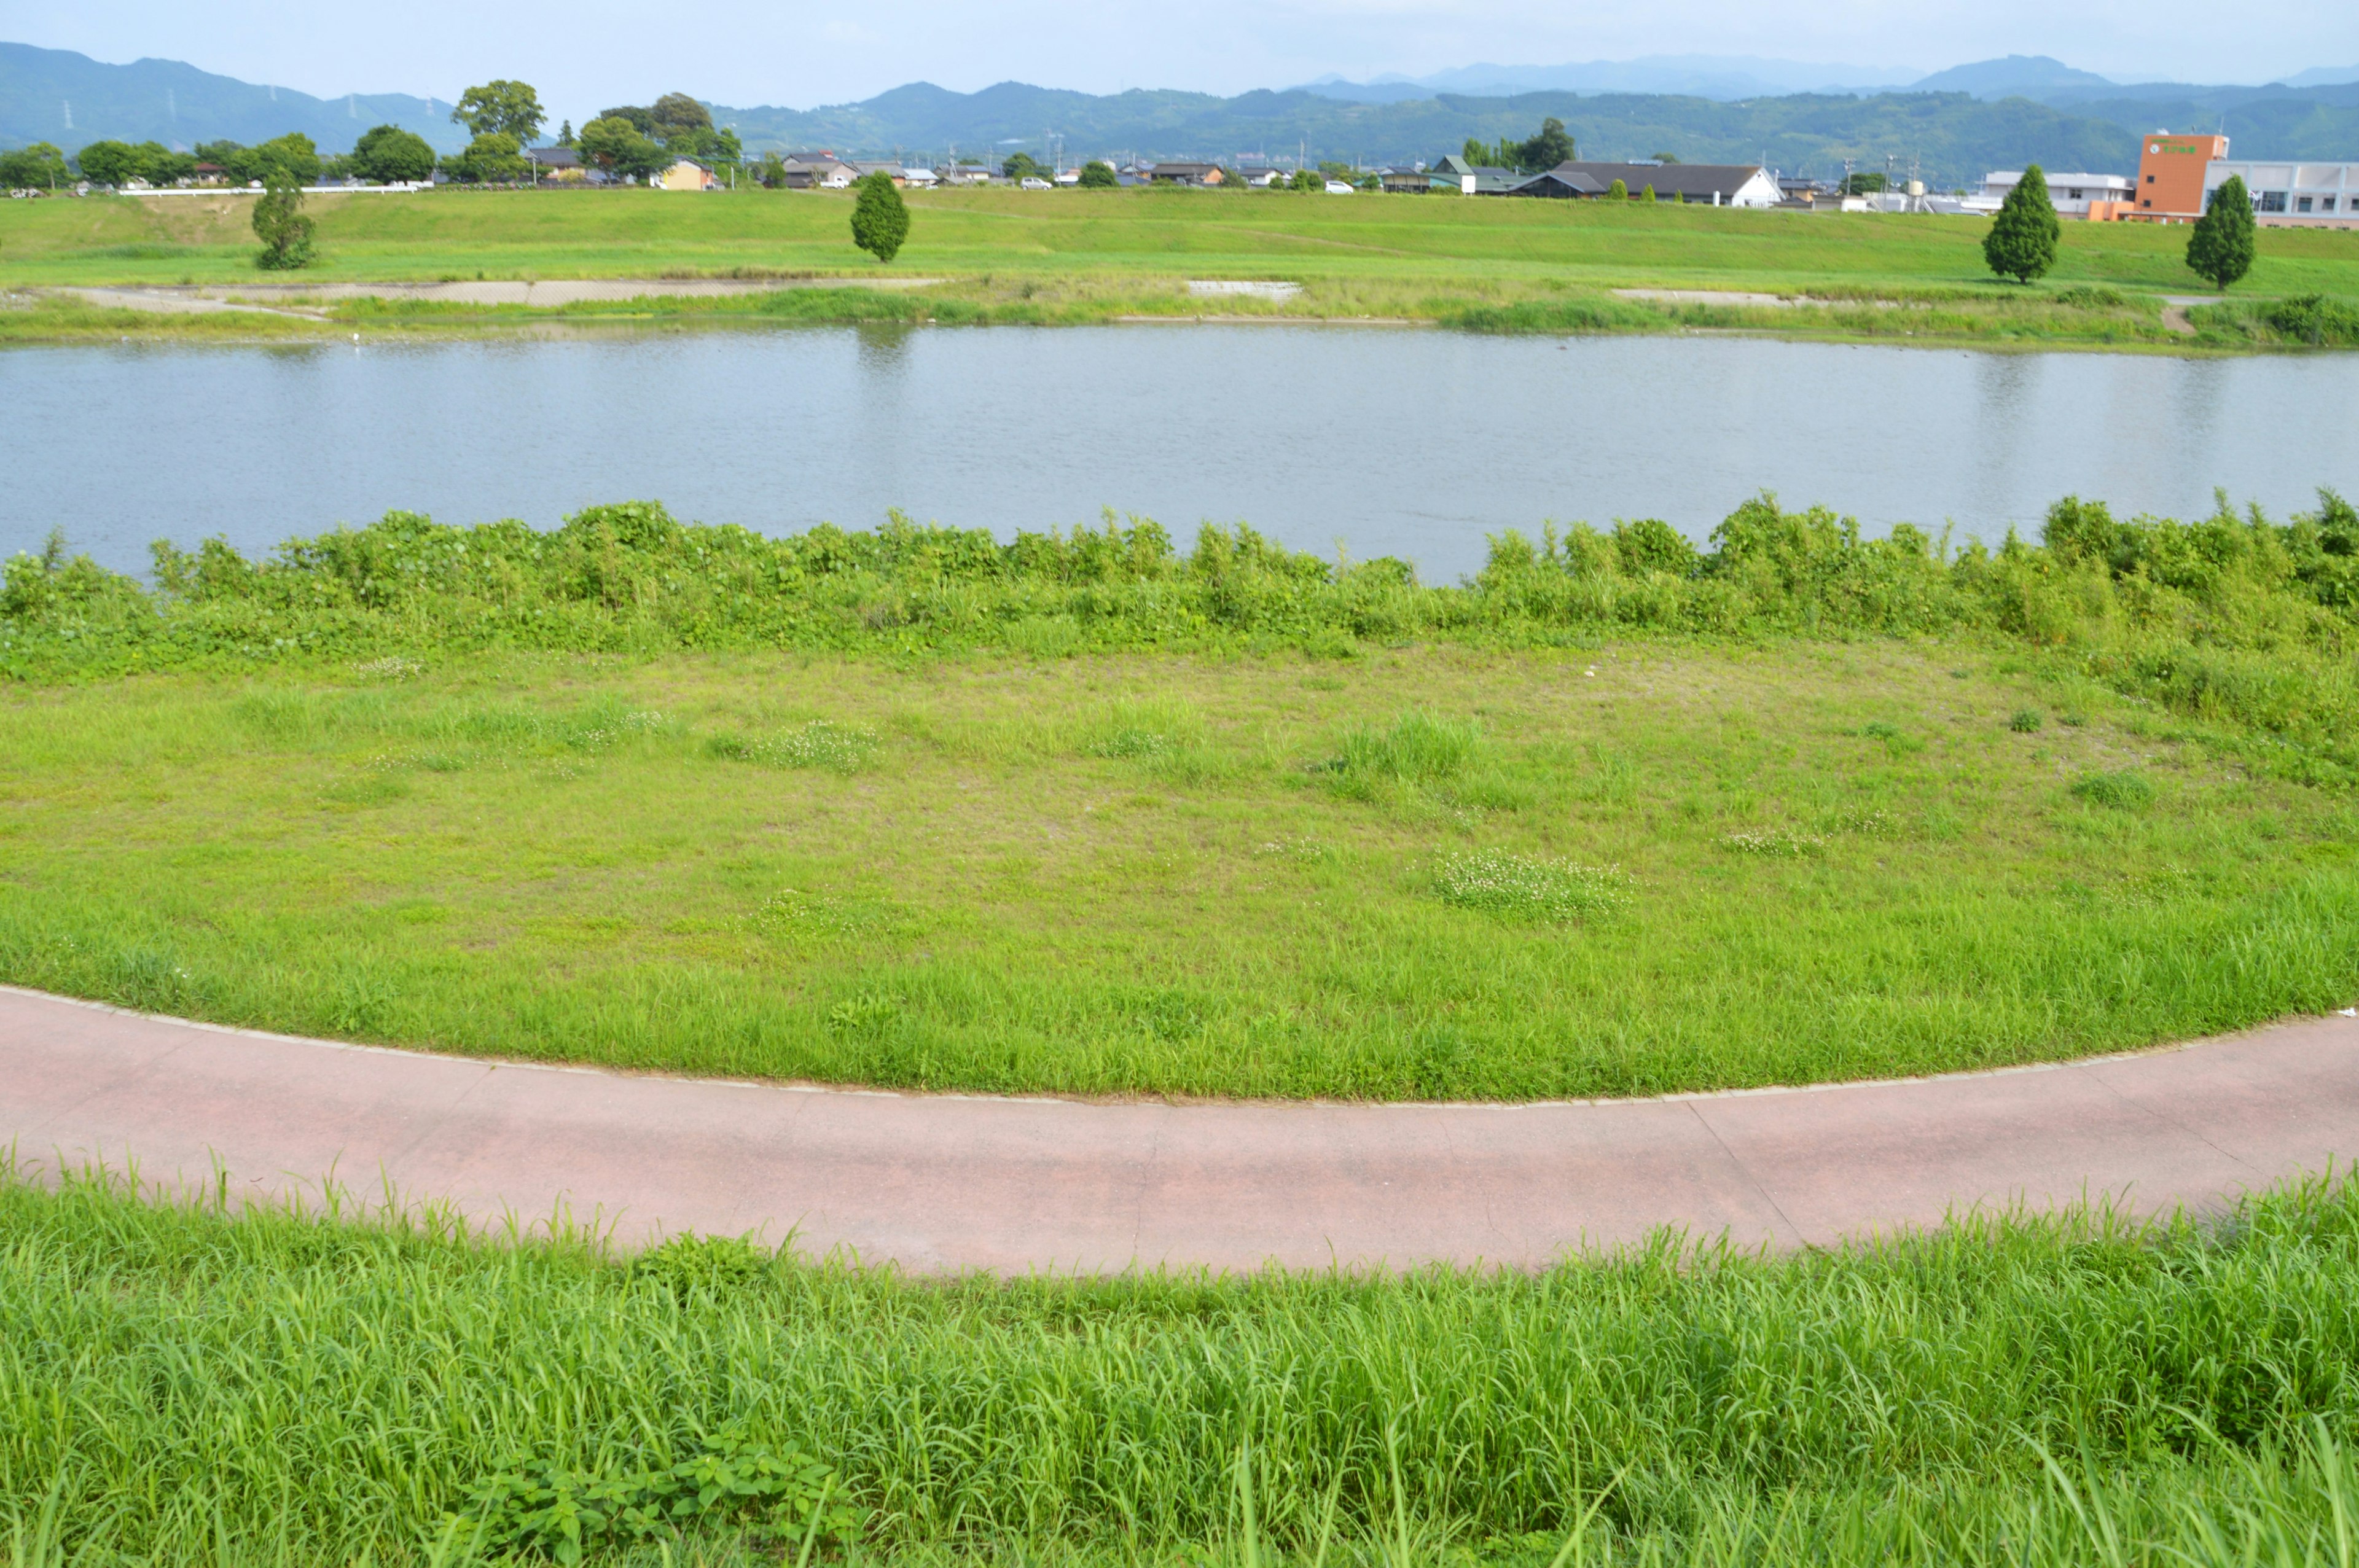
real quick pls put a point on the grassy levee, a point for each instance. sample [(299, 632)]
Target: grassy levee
[(182, 1385), (1080, 813), (1086, 256)]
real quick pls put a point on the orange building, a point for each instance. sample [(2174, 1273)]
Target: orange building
[(2170, 174)]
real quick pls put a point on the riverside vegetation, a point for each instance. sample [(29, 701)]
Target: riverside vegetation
[(1081, 813), (1096, 255), (186, 1383)]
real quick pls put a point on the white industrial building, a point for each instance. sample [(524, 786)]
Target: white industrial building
[(2308, 195), (2070, 194)]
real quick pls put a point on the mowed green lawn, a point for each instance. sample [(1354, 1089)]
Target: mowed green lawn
[(1407, 244), (1153, 874)]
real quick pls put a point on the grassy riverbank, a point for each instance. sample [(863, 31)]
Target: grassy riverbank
[(185, 1388), (1071, 256), (1081, 814)]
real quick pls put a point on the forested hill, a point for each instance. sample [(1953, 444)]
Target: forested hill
[(2318, 123), (1952, 138), (69, 99)]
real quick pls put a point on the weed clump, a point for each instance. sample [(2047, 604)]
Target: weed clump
[(554, 1510), (687, 1263), (2025, 722), (2115, 791), (1132, 744), (1415, 749), (1526, 887)]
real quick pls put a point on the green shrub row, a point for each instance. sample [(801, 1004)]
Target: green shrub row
[(2316, 320), (2231, 618)]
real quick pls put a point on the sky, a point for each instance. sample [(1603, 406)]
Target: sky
[(586, 54)]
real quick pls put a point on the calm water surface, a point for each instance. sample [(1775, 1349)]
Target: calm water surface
[(1393, 442)]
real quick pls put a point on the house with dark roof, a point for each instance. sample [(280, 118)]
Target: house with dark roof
[(1185, 174), (1563, 182), (1707, 184), (1454, 173)]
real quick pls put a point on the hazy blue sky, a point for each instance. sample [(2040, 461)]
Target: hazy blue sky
[(584, 54)]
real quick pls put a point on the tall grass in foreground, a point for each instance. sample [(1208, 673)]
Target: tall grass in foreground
[(178, 1384)]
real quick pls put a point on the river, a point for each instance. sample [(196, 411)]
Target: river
[(1389, 441)]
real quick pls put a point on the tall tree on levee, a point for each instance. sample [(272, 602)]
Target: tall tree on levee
[(2221, 248), (2022, 241), (880, 221)]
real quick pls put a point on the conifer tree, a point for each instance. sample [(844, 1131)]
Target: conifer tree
[(880, 221), (2221, 248), (2022, 241)]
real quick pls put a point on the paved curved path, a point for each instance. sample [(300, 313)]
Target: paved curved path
[(947, 1182)]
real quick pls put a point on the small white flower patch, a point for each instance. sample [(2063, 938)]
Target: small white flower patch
[(846, 749), (1776, 846), (1529, 887)]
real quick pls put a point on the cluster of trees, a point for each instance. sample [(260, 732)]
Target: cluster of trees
[(40, 167), (636, 139), (1548, 146), (502, 118), (391, 156), (292, 158)]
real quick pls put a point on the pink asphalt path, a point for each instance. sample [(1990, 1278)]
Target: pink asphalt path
[(941, 1182)]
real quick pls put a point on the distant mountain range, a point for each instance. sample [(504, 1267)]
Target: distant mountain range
[(69, 99), (1733, 77), (1951, 126), (1726, 77), (1952, 139)]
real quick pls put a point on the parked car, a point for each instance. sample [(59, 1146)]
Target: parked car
[(1034, 182), (1337, 187)]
